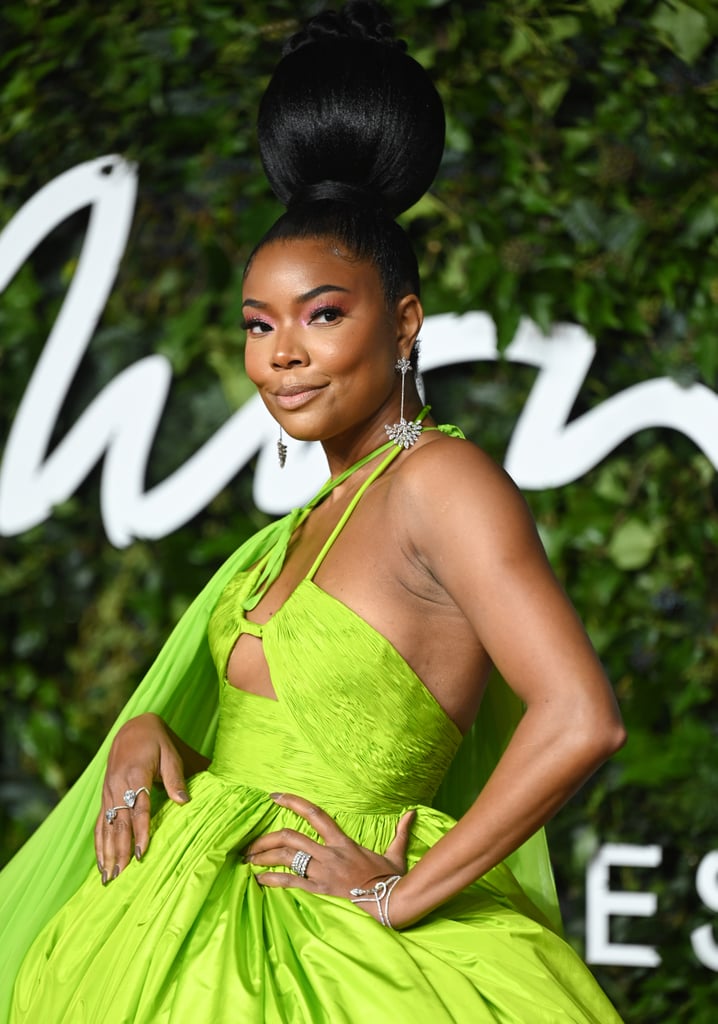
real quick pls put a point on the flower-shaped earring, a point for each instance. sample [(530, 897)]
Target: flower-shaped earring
[(403, 434)]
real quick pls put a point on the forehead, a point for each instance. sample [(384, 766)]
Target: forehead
[(304, 263)]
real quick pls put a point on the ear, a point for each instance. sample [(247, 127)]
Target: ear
[(409, 318)]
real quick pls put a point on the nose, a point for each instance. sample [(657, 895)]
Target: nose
[(288, 350)]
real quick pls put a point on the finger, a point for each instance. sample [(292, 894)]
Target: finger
[(284, 837), (119, 836), (283, 855), (282, 880), (116, 843), (98, 840), (107, 856), (171, 775), (396, 850), (319, 820), (140, 822)]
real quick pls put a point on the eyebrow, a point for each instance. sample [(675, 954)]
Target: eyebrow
[(304, 297)]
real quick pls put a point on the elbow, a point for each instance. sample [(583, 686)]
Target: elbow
[(605, 739), (615, 737), (593, 733)]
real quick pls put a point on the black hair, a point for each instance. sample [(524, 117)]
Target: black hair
[(351, 132)]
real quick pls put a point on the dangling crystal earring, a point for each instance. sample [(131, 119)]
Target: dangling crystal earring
[(402, 433), (281, 450)]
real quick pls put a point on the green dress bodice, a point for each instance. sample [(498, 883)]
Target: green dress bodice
[(355, 726)]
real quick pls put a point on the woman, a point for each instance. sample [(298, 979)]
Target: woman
[(306, 877)]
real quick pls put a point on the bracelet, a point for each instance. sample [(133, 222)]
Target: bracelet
[(381, 892)]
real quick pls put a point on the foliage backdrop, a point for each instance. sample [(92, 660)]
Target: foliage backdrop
[(579, 184)]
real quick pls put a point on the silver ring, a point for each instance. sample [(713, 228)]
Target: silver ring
[(130, 796), (300, 862), (111, 812)]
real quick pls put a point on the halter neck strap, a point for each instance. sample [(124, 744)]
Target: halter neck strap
[(333, 482), (270, 565)]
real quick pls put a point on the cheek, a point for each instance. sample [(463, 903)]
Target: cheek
[(252, 363)]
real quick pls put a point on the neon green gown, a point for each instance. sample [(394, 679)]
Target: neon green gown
[(189, 936)]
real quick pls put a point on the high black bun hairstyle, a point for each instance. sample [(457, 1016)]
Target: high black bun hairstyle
[(357, 20), (347, 104), (351, 132)]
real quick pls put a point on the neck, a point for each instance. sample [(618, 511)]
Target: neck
[(344, 450), (337, 486)]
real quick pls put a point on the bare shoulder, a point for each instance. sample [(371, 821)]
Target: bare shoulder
[(449, 485)]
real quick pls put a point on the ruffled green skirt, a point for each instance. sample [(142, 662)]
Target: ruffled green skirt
[(188, 936)]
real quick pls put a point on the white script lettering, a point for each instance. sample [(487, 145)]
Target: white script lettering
[(546, 450)]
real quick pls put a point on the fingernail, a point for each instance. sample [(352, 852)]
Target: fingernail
[(104, 878), (138, 853), (99, 866), (276, 796), (183, 796), (116, 872)]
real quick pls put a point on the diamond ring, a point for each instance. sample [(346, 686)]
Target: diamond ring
[(130, 795), (300, 862), (111, 813)]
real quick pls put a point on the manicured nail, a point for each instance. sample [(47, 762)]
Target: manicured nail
[(183, 796), (99, 865), (116, 872), (104, 878), (138, 853), (276, 796)]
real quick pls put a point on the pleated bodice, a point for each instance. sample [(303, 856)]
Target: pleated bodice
[(353, 724)]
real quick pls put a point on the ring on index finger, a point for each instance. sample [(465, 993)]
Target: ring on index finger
[(130, 796), (300, 863)]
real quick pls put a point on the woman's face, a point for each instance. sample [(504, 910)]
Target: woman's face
[(321, 344)]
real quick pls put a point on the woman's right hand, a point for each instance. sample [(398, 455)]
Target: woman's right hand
[(145, 750)]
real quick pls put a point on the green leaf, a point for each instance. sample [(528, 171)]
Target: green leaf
[(683, 28), (606, 8), (634, 543), (584, 221), (549, 98)]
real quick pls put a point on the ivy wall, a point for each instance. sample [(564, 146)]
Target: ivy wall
[(579, 184)]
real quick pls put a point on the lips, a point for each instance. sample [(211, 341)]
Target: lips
[(291, 396)]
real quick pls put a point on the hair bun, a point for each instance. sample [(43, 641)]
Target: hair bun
[(338, 191), (358, 19), (348, 105)]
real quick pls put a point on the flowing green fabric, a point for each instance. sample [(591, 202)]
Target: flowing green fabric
[(187, 935)]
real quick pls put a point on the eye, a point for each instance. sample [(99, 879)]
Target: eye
[(254, 325), (326, 315)]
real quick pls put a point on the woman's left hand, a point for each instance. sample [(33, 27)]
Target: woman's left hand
[(337, 865)]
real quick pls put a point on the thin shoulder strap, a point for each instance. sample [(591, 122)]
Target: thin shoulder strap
[(350, 508), (395, 450)]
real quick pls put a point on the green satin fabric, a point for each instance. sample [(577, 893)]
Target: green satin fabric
[(188, 935), (352, 727)]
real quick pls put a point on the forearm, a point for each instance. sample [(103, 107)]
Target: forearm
[(544, 764)]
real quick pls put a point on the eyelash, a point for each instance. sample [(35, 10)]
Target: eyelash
[(336, 311), (252, 322)]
